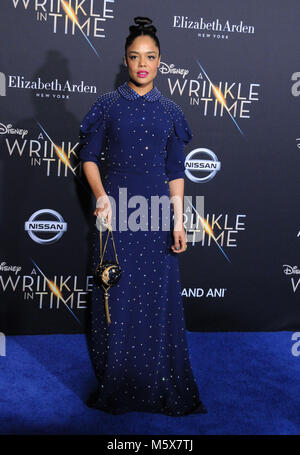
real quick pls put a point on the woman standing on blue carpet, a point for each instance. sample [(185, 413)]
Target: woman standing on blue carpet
[(141, 357)]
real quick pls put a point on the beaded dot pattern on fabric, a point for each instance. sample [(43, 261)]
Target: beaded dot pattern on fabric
[(141, 359)]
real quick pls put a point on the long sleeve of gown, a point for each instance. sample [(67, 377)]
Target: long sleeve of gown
[(180, 135), (91, 134)]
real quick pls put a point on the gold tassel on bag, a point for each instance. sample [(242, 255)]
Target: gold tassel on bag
[(106, 295)]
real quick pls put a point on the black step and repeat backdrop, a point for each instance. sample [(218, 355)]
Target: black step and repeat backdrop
[(233, 66)]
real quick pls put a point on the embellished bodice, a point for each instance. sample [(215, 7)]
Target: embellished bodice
[(135, 133)]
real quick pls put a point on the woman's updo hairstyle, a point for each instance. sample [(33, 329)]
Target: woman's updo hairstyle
[(143, 27)]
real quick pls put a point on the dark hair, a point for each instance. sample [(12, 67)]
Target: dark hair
[(143, 27)]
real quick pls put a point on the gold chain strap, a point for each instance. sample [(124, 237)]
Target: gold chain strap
[(109, 230), (106, 294)]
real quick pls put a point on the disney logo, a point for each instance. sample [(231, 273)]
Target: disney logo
[(166, 69), (7, 129), (289, 270), (7, 268)]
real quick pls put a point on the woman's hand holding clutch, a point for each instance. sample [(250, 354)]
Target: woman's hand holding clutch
[(103, 210)]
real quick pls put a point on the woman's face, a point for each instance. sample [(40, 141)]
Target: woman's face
[(142, 60)]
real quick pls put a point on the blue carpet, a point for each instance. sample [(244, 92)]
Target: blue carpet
[(249, 383)]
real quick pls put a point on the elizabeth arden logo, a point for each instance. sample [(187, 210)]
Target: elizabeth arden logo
[(45, 89), (214, 25)]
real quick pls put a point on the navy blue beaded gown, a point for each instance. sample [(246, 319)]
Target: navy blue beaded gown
[(141, 358)]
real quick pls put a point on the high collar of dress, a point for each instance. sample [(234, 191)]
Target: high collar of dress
[(128, 92)]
